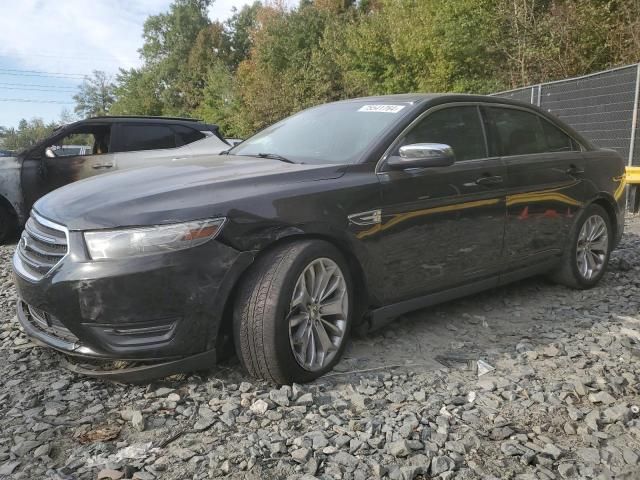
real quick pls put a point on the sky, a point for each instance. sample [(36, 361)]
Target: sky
[(47, 46)]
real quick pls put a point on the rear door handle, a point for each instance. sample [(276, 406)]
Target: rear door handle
[(574, 170), (489, 180), (102, 165)]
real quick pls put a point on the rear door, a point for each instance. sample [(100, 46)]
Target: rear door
[(545, 187), (443, 226), (145, 144)]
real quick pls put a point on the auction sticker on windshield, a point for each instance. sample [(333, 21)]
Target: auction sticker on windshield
[(381, 108)]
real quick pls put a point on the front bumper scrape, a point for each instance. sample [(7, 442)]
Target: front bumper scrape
[(87, 361), (145, 373)]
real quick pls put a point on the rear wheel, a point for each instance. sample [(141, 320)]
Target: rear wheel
[(7, 224), (293, 315), (586, 259)]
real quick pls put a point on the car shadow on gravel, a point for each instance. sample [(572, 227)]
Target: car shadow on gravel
[(488, 325)]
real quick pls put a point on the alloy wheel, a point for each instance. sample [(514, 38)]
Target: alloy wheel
[(318, 314), (593, 247)]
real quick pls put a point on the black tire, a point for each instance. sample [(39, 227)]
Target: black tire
[(568, 273), (261, 330), (7, 224)]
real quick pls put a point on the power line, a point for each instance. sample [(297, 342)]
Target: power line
[(37, 89), (82, 75), (37, 75), (26, 100), (68, 57), (56, 87)]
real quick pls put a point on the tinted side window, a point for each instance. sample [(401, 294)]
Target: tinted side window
[(458, 127), (519, 132), (557, 140), (146, 137), (186, 135)]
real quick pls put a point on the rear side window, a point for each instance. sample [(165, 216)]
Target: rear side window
[(146, 137), (557, 140), (186, 135), (519, 132), (458, 127)]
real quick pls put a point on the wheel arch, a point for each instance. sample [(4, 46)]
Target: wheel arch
[(361, 291), (610, 206), (6, 205)]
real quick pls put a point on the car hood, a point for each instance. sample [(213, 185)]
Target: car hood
[(200, 188)]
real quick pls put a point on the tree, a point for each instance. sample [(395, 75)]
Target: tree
[(95, 95), (28, 133), (168, 41)]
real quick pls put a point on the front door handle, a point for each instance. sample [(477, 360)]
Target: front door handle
[(489, 180), (97, 166)]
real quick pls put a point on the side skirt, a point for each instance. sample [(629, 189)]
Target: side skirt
[(384, 315)]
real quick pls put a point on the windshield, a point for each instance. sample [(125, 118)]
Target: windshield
[(332, 133)]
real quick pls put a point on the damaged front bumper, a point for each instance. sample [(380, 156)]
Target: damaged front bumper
[(162, 312), (140, 373)]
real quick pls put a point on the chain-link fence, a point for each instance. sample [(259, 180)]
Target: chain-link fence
[(602, 106)]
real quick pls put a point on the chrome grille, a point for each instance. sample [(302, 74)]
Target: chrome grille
[(49, 324), (42, 245)]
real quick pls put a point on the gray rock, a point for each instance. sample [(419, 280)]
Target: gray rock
[(441, 464), (301, 455), (631, 457), (511, 448), (306, 399), (8, 468), (345, 459), (137, 420), (553, 451), (588, 455), (143, 476), (399, 448), (280, 397), (259, 407), (109, 474), (601, 397), (617, 413), (567, 470)]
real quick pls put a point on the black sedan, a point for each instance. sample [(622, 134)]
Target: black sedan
[(338, 218)]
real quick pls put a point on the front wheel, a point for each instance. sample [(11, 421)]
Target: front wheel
[(294, 313), (586, 258)]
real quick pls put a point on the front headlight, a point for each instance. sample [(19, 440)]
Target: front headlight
[(135, 242)]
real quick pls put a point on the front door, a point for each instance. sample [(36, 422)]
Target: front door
[(73, 155), (545, 188), (443, 226)]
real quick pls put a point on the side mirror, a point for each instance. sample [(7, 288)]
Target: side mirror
[(49, 153), (422, 155)]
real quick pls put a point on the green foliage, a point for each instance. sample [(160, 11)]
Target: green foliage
[(267, 62), (95, 96), (28, 133)]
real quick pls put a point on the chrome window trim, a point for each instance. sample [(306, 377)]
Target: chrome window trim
[(477, 104), (17, 262), (418, 119), (541, 118)]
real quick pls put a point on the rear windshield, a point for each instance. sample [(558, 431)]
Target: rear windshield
[(332, 133)]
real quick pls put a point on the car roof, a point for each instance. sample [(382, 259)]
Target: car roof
[(434, 99), (133, 119), (416, 98)]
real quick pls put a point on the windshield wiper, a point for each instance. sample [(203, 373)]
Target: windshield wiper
[(275, 156)]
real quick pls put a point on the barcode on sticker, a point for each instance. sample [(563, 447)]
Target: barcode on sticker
[(381, 108)]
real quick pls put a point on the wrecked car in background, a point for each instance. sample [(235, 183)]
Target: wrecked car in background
[(94, 146), (341, 217)]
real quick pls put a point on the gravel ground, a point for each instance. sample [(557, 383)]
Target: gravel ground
[(560, 400)]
